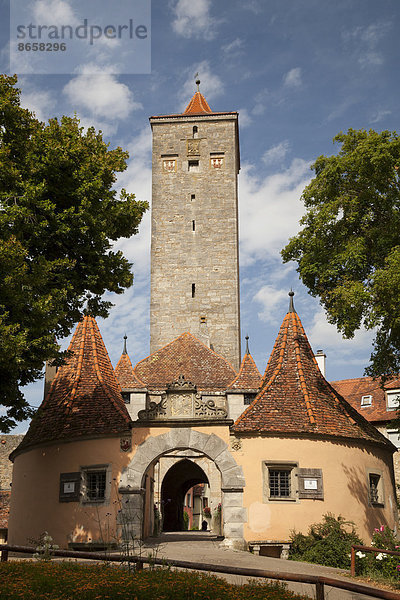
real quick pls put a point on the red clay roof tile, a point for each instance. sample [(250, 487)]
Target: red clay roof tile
[(126, 375), (249, 377), (353, 389), (189, 357), (296, 398), (197, 105), (84, 398)]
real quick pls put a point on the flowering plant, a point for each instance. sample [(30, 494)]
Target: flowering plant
[(217, 511), (380, 563), (207, 512), (44, 551)]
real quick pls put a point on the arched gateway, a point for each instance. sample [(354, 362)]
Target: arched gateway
[(132, 486)]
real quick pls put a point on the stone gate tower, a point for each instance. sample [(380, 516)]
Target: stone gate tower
[(194, 240)]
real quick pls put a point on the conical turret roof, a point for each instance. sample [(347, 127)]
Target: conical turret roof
[(197, 105), (85, 398), (295, 398), (125, 374), (249, 377)]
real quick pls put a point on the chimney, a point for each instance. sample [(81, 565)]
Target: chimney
[(320, 357)]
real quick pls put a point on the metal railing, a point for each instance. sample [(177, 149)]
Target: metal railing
[(319, 581), (368, 549)]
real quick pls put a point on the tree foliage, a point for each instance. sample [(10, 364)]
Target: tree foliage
[(59, 215), (348, 251)]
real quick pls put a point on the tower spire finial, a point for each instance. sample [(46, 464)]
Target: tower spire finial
[(247, 345), (197, 81), (291, 304), (125, 350)]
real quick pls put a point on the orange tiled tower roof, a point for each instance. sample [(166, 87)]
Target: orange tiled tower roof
[(85, 398), (295, 398), (189, 357), (125, 374), (197, 105), (249, 377)]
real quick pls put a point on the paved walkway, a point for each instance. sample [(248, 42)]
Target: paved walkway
[(197, 546)]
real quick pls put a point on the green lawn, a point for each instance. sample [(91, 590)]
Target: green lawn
[(70, 581)]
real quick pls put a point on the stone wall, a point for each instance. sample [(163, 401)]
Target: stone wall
[(8, 443), (194, 246)]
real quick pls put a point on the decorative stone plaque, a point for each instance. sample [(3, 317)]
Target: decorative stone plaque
[(181, 405), (193, 147)]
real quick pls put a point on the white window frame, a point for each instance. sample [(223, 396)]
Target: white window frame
[(366, 400), (393, 400)]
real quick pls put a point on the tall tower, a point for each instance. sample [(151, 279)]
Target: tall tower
[(194, 238)]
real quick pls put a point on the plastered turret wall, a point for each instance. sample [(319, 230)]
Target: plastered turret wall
[(194, 246)]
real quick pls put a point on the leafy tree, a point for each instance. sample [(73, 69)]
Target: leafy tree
[(59, 215), (348, 252)]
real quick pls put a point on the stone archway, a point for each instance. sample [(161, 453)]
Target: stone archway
[(213, 447), (178, 479)]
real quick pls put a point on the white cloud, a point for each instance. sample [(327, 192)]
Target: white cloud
[(324, 335), (272, 299), (293, 78), (244, 118), (233, 48), (276, 153), (261, 99), (211, 85), (193, 19), (270, 210), (61, 12), (39, 102), (137, 180), (101, 94), (364, 41), (379, 115), (108, 128)]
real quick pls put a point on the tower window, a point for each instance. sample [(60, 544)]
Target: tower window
[(193, 166), (193, 290), (195, 131), (194, 225), (192, 197)]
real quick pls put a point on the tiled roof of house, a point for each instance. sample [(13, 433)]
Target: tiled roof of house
[(249, 377), (353, 390), (295, 398), (125, 373), (4, 509), (189, 357), (197, 105), (85, 398)]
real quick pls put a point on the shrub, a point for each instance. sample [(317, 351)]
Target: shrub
[(327, 543), (379, 564)]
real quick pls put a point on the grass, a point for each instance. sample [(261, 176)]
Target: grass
[(70, 581)]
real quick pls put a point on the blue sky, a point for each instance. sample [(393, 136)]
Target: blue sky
[(298, 72)]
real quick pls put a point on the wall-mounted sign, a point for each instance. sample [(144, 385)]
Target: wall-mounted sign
[(310, 484)]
